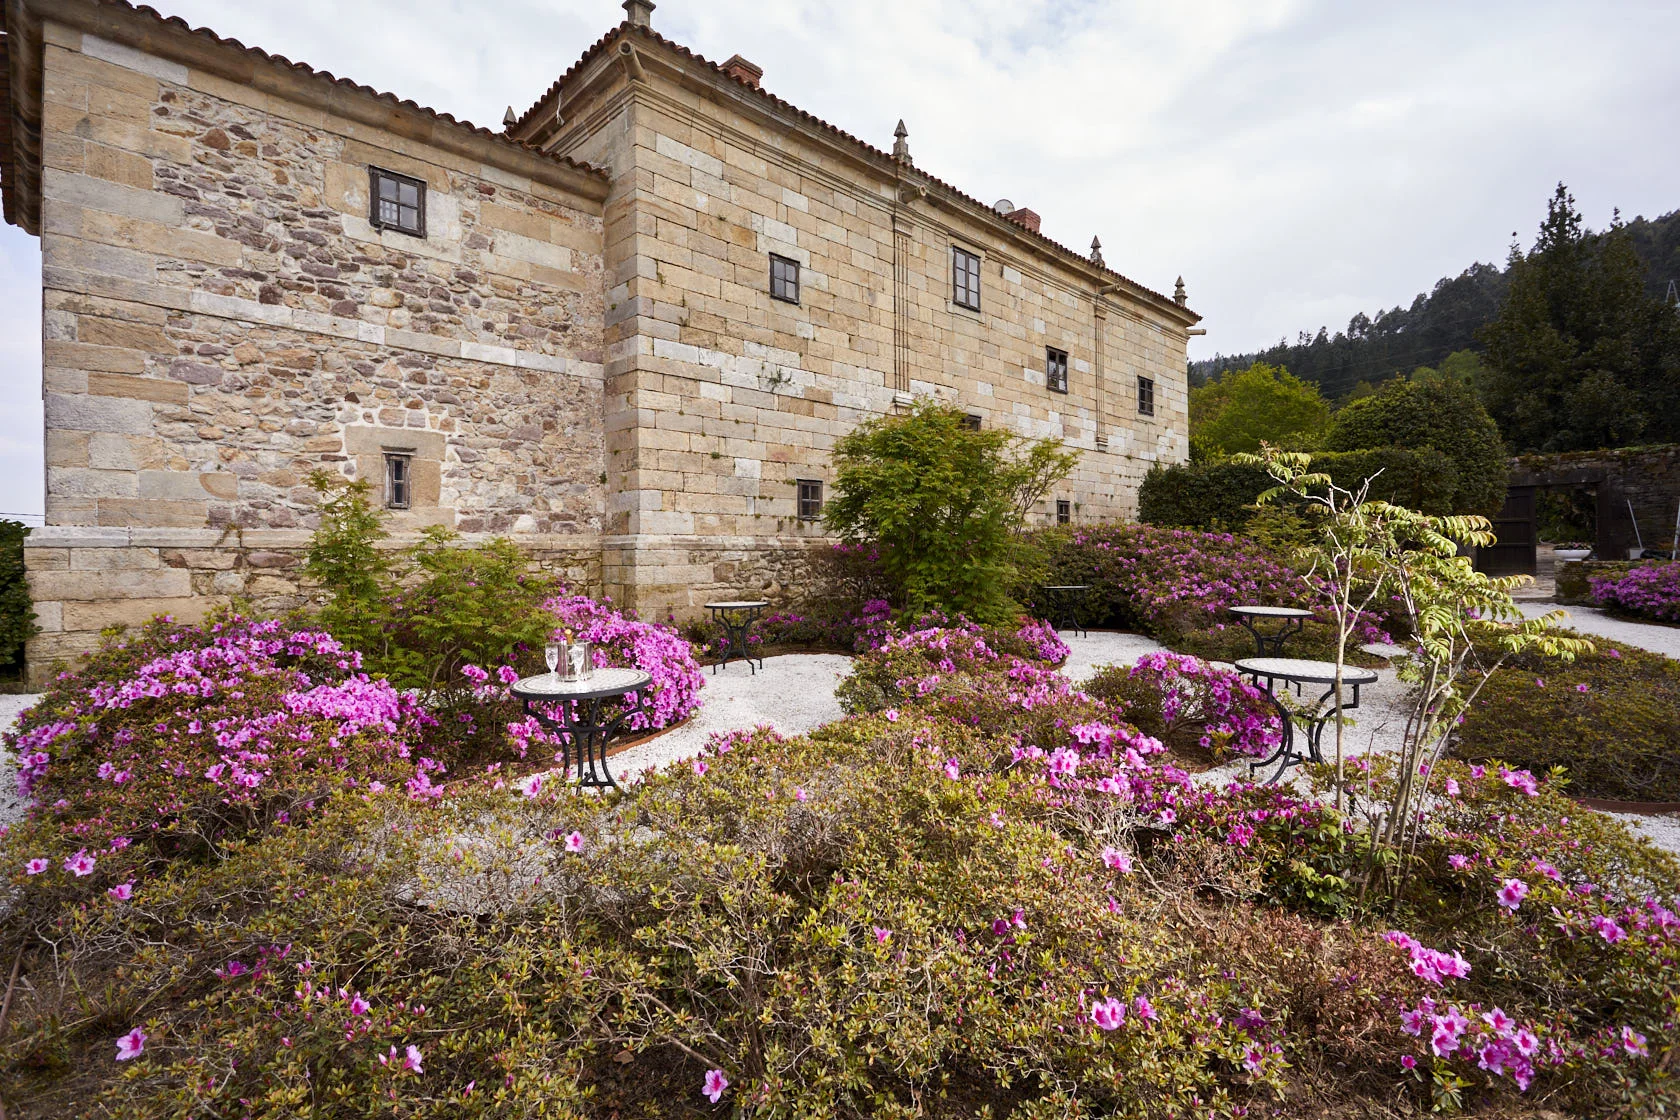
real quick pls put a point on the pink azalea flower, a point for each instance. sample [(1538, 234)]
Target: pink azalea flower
[(1539, 682), (1452, 787), (1499, 1021), (1581, 688), (892, 717), (715, 1084), (359, 1006), (1634, 1043), (881, 935), (131, 1044), (1458, 862), (79, 864), (1108, 1014), (1168, 816), (699, 766), (1609, 929), (1252, 1059), (1408, 1062), (574, 841), (1512, 893), (36, 866), (1118, 860), (1145, 1010), (531, 785), (122, 892), (412, 1059), (798, 794), (953, 770)]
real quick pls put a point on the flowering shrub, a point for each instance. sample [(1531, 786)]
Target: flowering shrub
[(626, 641), (1650, 590), (1185, 702), (1179, 585), (182, 740), (1608, 719)]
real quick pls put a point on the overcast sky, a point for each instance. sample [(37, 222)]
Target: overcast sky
[(1296, 162)]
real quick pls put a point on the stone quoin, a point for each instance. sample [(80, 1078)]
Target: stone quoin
[(565, 332)]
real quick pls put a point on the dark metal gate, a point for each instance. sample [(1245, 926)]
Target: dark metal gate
[(1514, 526)]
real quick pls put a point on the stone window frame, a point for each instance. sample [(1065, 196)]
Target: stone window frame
[(961, 256), (788, 283), (1055, 369), (1145, 395), (379, 175), (809, 499), (399, 480), (1064, 511), (972, 422)]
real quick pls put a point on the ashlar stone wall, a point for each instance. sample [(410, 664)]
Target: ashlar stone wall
[(719, 397), (221, 318)]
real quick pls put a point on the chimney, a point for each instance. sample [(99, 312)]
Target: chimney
[(742, 70), (1024, 217), (639, 13)]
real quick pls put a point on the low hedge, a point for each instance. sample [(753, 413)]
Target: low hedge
[(1608, 719), (1574, 577), (1220, 495)]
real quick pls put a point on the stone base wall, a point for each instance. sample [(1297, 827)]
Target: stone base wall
[(676, 576), (85, 580)]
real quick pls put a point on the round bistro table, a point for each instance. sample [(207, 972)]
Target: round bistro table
[(737, 616), (1064, 605), (1298, 672), (1271, 644), (574, 710)]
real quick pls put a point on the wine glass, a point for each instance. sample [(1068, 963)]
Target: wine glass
[(551, 654)]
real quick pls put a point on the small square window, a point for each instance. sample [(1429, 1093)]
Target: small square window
[(1064, 512), (399, 481), (965, 279), (784, 279), (1055, 369), (396, 202), (1146, 397), (972, 421), (810, 499)]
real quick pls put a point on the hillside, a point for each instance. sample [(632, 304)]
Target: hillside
[(1376, 347)]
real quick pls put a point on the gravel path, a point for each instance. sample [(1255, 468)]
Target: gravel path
[(11, 805), (1590, 620)]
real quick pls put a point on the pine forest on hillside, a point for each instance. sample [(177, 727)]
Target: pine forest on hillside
[(1452, 317)]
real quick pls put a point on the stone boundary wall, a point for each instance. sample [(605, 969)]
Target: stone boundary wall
[(1648, 477)]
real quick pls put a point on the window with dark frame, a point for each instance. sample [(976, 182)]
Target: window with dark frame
[(1064, 512), (396, 202), (810, 499), (972, 421), (965, 279), (1146, 397), (784, 279), (399, 481), (1055, 369)]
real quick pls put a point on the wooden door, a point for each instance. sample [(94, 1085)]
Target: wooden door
[(1514, 526)]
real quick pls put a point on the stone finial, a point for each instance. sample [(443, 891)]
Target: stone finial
[(508, 119), (1178, 292), (901, 143), (1096, 253), (639, 13)]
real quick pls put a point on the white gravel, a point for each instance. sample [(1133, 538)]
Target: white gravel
[(1590, 620), (793, 693), (1103, 647)]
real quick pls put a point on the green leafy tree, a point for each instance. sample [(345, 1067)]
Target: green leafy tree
[(17, 614), (1437, 417), (942, 503), (1581, 356), (1260, 404), (344, 559)]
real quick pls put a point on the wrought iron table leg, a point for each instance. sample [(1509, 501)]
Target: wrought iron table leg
[(1286, 741), (733, 633)]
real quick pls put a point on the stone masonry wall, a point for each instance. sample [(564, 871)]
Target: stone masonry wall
[(720, 397), (221, 318)]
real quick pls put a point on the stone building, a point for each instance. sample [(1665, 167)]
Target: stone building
[(625, 331)]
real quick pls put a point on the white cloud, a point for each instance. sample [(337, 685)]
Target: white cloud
[(1296, 160)]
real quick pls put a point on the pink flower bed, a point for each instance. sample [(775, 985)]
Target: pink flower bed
[(624, 641), (1651, 590)]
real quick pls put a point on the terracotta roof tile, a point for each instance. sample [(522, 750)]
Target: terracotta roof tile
[(818, 123)]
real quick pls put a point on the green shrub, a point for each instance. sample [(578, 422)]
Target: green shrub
[(941, 503), (1609, 720), (17, 615), (1261, 403), (1440, 422)]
